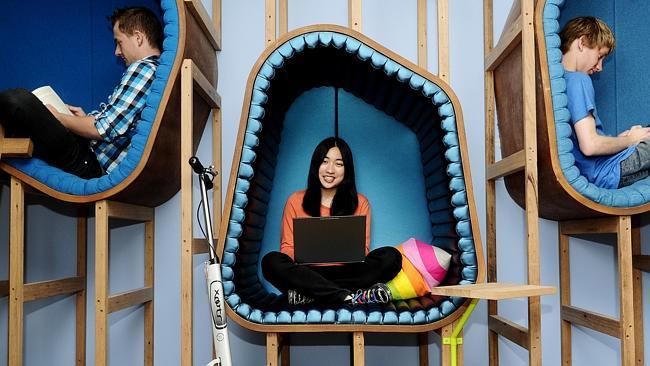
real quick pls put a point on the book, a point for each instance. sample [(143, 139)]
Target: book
[(47, 95)]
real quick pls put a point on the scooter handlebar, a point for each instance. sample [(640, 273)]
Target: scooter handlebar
[(196, 165)]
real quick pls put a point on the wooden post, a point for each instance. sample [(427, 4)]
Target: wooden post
[(269, 21), (354, 15), (638, 294), (625, 290), (358, 349), (101, 283), (445, 349), (187, 293), (16, 271), (284, 16), (82, 242), (422, 34), (271, 349), (423, 348), (149, 260), (565, 294), (443, 40)]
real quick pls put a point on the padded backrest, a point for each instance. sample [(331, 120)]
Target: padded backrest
[(623, 87)]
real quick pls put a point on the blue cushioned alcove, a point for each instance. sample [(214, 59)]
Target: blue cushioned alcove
[(622, 89), (405, 130), (70, 46)]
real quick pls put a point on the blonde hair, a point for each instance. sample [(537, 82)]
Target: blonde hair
[(595, 31)]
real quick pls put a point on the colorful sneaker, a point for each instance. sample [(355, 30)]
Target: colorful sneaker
[(296, 298), (378, 293)]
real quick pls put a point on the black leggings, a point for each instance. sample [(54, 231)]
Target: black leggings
[(23, 115), (331, 284)]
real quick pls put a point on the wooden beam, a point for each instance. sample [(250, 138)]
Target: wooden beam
[(200, 246), (16, 271), (510, 39), (127, 211), (216, 19), (284, 16), (45, 289), (358, 349), (423, 348), (354, 15), (626, 290), (187, 214), (101, 282), (565, 294), (589, 319), (506, 166), (4, 288), (206, 90), (203, 19), (80, 306), (272, 346), (604, 225), (269, 21), (642, 262), (493, 291), (17, 148), (443, 40), (509, 330), (149, 261), (127, 299), (422, 34)]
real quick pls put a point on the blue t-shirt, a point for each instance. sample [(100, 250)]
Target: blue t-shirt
[(604, 170)]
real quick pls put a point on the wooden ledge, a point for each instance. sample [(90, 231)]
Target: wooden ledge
[(17, 148), (493, 291), (509, 330)]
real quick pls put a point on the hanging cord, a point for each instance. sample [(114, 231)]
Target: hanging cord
[(336, 112)]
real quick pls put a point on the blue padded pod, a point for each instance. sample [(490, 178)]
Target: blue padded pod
[(402, 127), (622, 89)]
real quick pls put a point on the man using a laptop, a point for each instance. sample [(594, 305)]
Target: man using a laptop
[(331, 191)]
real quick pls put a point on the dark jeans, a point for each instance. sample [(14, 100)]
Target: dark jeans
[(331, 284), (636, 166), (23, 115)]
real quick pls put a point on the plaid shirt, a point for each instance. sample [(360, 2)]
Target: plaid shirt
[(115, 121)]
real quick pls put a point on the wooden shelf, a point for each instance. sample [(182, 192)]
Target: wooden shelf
[(494, 291)]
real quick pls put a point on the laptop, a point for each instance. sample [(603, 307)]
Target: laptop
[(331, 239)]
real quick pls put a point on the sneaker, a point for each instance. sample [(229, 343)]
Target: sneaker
[(296, 298), (378, 293)]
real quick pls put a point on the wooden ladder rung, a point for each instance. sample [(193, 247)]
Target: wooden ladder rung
[(45, 289), (127, 299), (4, 288), (17, 148), (510, 39), (506, 166), (589, 319), (126, 211), (509, 330), (641, 262), (205, 89)]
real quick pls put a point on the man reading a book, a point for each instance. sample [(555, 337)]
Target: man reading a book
[(90, 145)]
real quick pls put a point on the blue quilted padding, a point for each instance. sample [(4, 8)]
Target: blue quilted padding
[(287, 78), (71, 184), (633, 195)]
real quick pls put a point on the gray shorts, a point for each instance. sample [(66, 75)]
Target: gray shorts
[(636, 166)]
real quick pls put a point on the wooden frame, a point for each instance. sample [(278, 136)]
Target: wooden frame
[(20, 292), (629, 327), (522, 159), (192, 79), (106, 304), (198, 40)]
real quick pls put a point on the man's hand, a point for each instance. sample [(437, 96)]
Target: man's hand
[(77, 111)]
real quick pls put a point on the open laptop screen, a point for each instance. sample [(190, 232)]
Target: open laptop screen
[(330, 239)]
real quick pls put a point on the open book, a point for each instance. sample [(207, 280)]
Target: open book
[(47, 95)]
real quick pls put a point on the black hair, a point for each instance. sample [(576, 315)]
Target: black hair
[(345, 200), (139, 19)]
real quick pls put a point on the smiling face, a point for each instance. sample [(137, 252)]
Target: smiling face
[(332, 169), (590, 60), (127, 47)]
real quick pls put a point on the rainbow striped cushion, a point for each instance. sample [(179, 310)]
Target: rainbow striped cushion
[(424, 266)]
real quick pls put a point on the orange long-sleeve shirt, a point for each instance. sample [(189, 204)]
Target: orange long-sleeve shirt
[(293, 208)]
